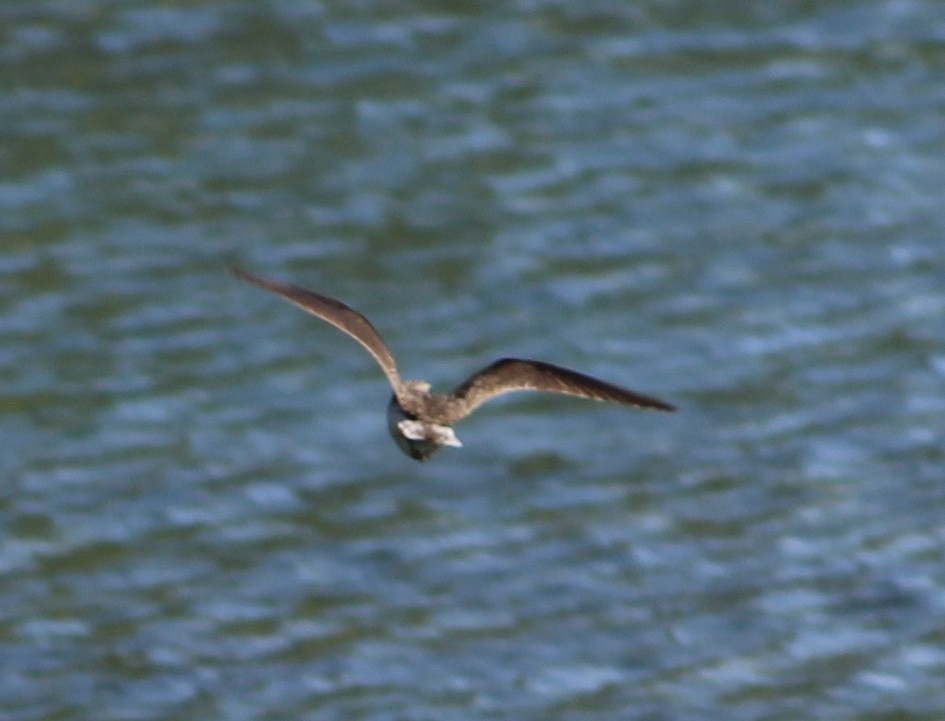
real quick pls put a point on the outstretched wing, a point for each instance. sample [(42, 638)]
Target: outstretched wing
[(516, 374), (335, 312)]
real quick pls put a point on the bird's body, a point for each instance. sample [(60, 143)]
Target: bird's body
[(418, 438), (421, 421)]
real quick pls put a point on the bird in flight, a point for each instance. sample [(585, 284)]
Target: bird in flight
[(421, 421)]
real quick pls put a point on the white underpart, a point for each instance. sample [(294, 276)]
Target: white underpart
[(417, 431)]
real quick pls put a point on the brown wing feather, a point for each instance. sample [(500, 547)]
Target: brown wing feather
[(343, 317), (517, 374)]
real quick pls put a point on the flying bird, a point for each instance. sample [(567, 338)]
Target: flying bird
[(421, 421)]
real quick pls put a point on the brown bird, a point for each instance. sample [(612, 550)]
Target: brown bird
[(420, 421)]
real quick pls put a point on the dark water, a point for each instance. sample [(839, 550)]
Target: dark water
[(738, 207)]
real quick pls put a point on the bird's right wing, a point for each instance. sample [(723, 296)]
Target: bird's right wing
[(517, 374)]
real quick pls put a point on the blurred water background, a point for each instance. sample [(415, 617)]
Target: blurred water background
[(735, 206)]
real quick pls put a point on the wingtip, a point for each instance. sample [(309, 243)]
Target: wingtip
[(247, 277), (237, 272), (660, 405)]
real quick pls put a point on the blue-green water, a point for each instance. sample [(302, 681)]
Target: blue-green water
[(738, 207)]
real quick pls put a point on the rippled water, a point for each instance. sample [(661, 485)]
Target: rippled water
[(737, 208)]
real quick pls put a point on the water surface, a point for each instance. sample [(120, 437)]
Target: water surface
[(736, 209)]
